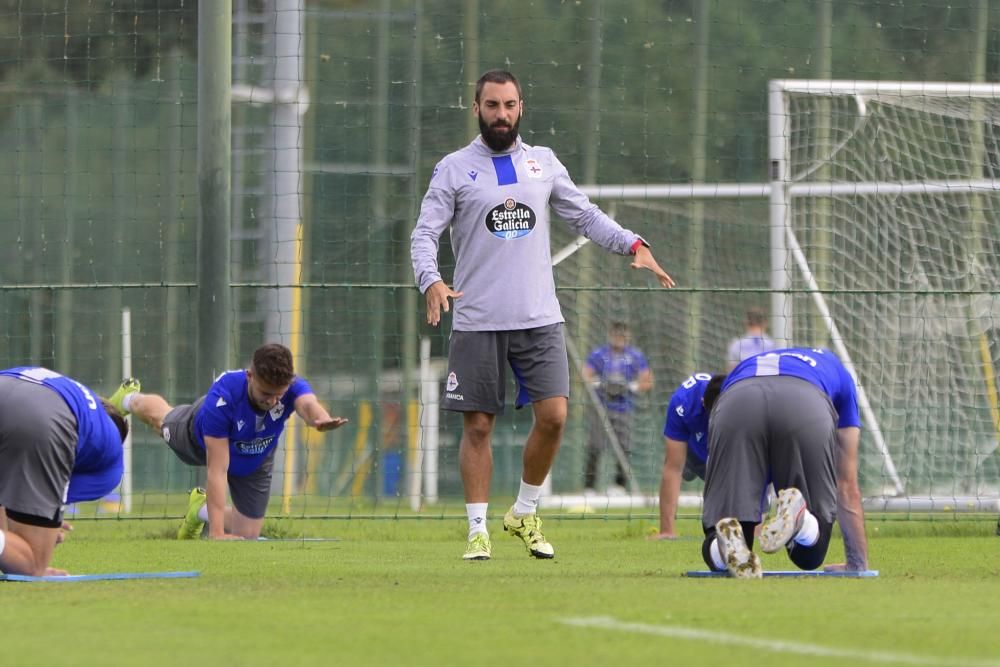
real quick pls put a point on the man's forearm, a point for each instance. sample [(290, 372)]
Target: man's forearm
[(851, 516)]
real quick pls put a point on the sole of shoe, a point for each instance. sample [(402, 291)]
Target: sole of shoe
[(741, 562), (780, 529)]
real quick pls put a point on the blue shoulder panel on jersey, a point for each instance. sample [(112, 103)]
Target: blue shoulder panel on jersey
[(504, 166), (70, 578), (864, 574)]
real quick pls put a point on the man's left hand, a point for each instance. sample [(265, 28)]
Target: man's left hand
[(66, 527), (644, 260), (330, 424)]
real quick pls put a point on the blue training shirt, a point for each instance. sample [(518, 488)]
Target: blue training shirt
[(687, 420), (819, 367), (616, 370), (227, 413), (98, 466)]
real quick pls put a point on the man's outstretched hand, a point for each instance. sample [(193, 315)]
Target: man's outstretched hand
[(330, 424), (644, 260)]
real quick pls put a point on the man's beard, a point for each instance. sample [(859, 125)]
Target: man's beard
[(500, 137)]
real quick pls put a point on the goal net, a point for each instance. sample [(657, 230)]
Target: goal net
[(884, 220)]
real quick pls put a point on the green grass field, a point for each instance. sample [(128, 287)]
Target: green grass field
[(396, 592)]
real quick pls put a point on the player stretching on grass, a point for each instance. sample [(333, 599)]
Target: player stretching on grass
[(59, 443), (791, 414), (233, 431), (494, 196), (685, 436)]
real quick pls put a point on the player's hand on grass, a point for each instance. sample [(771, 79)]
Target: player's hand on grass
[(662, 536), (845, 567), (437, 296), (324, 425), (66, 527), (225, 537), (55, 572), (644, 260)]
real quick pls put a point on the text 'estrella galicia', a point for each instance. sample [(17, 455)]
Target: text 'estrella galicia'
[(510, 220)]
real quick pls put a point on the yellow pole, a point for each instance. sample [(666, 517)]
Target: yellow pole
[(991, 384), (413, 437), (360, 447), (295, 345)]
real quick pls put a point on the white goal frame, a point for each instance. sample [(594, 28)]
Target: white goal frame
[(787, 257)]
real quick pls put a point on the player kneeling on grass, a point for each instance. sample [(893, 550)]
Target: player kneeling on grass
[(59, 443), (233, 431), (790, 416)]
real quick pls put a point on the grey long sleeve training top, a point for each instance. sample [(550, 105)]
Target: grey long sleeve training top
[(497, 205)]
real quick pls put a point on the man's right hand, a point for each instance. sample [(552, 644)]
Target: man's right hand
[(437, 296)]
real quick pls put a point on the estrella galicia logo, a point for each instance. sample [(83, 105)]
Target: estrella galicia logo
[(510, 220)]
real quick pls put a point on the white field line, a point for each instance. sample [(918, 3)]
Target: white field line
[(776, 646)]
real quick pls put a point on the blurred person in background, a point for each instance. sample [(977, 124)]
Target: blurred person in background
[(753, 341), (618, 372)]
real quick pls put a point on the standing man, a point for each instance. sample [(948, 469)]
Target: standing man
[(685, 436), (233, 431), (618, 372), (753, 341), (793, 414), (494, 196), (60, 443)]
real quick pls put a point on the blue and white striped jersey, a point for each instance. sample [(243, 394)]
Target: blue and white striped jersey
[(820, 367)]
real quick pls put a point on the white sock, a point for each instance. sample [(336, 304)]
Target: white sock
[(3, 541), (127, 401), (203, 513), (527, 499), (716, 555), (808, 534), (477, 517)]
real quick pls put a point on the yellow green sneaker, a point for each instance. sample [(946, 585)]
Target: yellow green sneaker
[(191, 528), (478, 548), (529, 529), (128, 386)]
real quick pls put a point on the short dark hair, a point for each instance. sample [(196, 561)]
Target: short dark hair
[(755, 317), (712, 391), (618, 327), (497, 76), (116, 417), (272, 363)]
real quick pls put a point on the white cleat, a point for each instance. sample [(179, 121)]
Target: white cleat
[(780, 529), (740, 561)]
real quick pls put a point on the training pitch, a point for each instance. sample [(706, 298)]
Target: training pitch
[(396, 592)]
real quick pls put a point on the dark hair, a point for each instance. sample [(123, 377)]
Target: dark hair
[(618, 327), (755, 317), (272, 363), (118, 418), (712, 391), (496, 76)]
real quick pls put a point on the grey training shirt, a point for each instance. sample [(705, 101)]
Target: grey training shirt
[(497, 205)]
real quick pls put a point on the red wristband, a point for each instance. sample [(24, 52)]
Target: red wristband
[(635, 246)]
